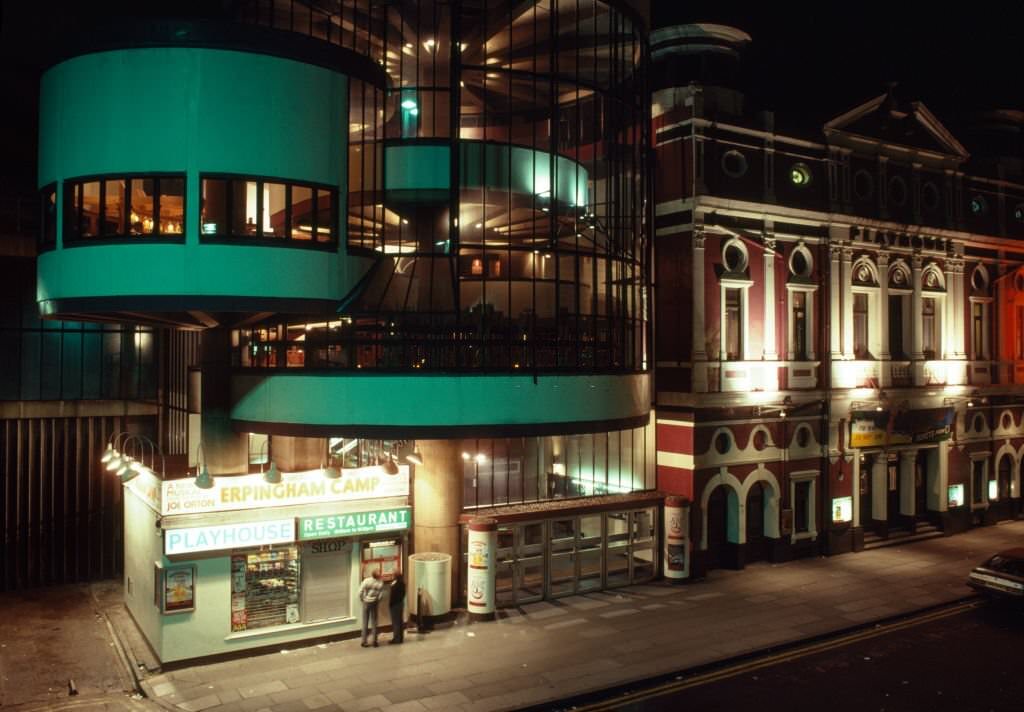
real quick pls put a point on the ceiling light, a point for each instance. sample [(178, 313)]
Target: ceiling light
[(466, 456)]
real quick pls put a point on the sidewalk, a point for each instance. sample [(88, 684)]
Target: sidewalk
[(550, 650)]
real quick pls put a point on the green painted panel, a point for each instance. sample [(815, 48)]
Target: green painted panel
[(177, 269), (436, 400), (524, 170)]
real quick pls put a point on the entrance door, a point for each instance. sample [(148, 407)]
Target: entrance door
[(756, 543), (866, 514), (718, 526), (1001, 507), (893, 499), (921, 484)]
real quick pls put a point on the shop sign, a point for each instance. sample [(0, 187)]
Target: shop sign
[(905, 427), (349, 523), (146, 486), (228, 536), (308, 487)]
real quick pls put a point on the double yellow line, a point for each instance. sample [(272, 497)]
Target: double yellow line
[(775, 659)]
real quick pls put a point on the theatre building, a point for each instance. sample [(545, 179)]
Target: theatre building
[(398, 258), (839, 315)]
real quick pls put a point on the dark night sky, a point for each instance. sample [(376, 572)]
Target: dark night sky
[(831, 56)]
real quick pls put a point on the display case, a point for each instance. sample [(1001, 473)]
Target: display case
[(264, 588)]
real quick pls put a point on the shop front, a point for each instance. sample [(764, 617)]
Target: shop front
[(253, 564)]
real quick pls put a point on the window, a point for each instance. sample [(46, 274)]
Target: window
[(896, 346), (118, 207), (723, 443), (1019, 334), (978, 205), (799, 345), (734, 256), (734, 164), (978, 482), (802, 507), (271, 212), (800, 174), (930, 196), (978, 330), (48, 221), (898, 191), (733, 324), (860, 326), (929, 337), (803, 436), (863, 185)]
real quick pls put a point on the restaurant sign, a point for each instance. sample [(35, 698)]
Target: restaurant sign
[(349, 523), (905, 427), (309, 487)]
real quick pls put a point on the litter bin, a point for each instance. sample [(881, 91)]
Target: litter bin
[(431, 584)]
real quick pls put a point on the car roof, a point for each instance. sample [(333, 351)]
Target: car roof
[(1015, 553)]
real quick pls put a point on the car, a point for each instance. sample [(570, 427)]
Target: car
[(1000, 577)]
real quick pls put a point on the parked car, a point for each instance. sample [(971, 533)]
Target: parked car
[(1001, 577)]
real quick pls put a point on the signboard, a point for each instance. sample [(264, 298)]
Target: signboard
[(335, 525), (869, 428), (480, 579), (955, 494), (993, 490), (146, 486), (192, 540), (179, 589), (842, 509), (308, 487)]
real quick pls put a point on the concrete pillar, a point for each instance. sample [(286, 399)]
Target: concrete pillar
[(908, 479), (879, 487), (224, 450), (294, 454), (846, 287), (883, 318), (700, 356), (437, 501), (770, 349), (916, 308)]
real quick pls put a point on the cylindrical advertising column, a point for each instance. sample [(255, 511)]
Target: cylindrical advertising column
[(677, 538), (483, 539)]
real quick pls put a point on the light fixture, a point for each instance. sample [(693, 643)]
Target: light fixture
[(330, 471), (390, 468), (466, 456), (429, 44), (108, 454), (415, 457), (970, 404), (481, 458), (879, 408), (409, 104), (204, 480), (273, 475)]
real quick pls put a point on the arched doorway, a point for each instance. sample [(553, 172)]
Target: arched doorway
[(717, 513), (757, 543)]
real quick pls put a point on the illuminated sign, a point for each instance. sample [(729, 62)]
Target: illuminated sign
[(842, 509), (309, 487), (228, 536), (955, 493), (335, 525), (993, 490), (881, 428)]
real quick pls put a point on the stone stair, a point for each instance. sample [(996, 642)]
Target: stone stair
[(922, 531)]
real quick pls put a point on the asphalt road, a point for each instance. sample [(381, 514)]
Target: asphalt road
[(973, 660)]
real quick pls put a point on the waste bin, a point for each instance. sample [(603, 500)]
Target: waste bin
[(431, 584)]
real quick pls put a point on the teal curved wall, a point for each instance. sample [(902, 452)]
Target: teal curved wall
[(419, 400), (425, 166), (194, 110)]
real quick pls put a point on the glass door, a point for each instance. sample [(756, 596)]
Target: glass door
[(563, 558), (529, 569)]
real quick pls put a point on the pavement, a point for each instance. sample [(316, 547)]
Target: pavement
[(552, 650)]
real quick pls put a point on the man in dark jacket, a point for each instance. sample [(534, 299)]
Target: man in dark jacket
[(396, 606)]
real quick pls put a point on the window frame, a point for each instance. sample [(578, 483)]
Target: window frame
[(70, 219), (42, 243), (229, 237)]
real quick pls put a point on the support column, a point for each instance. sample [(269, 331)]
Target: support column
[(846, 287), (700, 356), (908, 478), (916, 306), (770, 347), (224, 450), (885, 376), (958, 310), (437, 501), (938, 477), (855, 488), (834, 299), (879, 487)]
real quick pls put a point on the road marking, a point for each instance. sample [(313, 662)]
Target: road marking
[(773, 659)]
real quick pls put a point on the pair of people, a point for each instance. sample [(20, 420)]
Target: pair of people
[(370, 592)]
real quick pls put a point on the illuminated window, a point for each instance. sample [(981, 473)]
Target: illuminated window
[(118, 207), (860, 326), (733, 324), (800, 174)]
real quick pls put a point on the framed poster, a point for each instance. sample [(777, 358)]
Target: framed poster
[(179, 589)]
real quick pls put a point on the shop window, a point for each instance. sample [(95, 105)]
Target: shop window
[(268, 212), (860, 326), (118, 207), (265, 588)]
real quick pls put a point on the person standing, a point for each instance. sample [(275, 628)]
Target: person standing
[(396, 607), (369, 593)]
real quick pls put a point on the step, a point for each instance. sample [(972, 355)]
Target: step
[(876, 542)]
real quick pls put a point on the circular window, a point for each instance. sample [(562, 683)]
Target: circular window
[(760, 440), (863, 185), (979, 423), (734, 164), (800, 174), (898, 191), (734, 256), (723, 443), (803, 437), (979, 280), (930, 196), (800, 262), (978, 205)]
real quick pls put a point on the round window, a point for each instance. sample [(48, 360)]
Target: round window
[(760, 440), (734, 257), (734, 164), (930, 196), (800, 263), (862, 275), (978, 205), (863, 185), (803, 437), (800, 174), (722, 443), (898, 191)]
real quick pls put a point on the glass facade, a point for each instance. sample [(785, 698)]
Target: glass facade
[(500, 182)]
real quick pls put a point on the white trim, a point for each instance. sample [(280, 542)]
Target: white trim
[(726, 478), (680, 423), (811, 476), (680, 460)]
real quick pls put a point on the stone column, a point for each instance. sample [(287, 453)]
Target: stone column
[(224, 451), (883, 314), (846, 286), (956, 293), (833, 296), (908, 477), (700, 356), (437, 501), (916, 307), (879, 487), (770, 348)]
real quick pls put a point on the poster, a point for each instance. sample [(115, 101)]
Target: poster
[(955, 493), (842, 509), (179, 589), (870, 428)]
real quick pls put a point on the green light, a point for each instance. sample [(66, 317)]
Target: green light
[(409, 104)]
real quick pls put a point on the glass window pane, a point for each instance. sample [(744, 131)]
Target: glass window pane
[(141, 190), (90, 216), (172, 206), (303, 212), (113, 207), (326, 218), (214, 209), (274, 210), (243, 207)]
